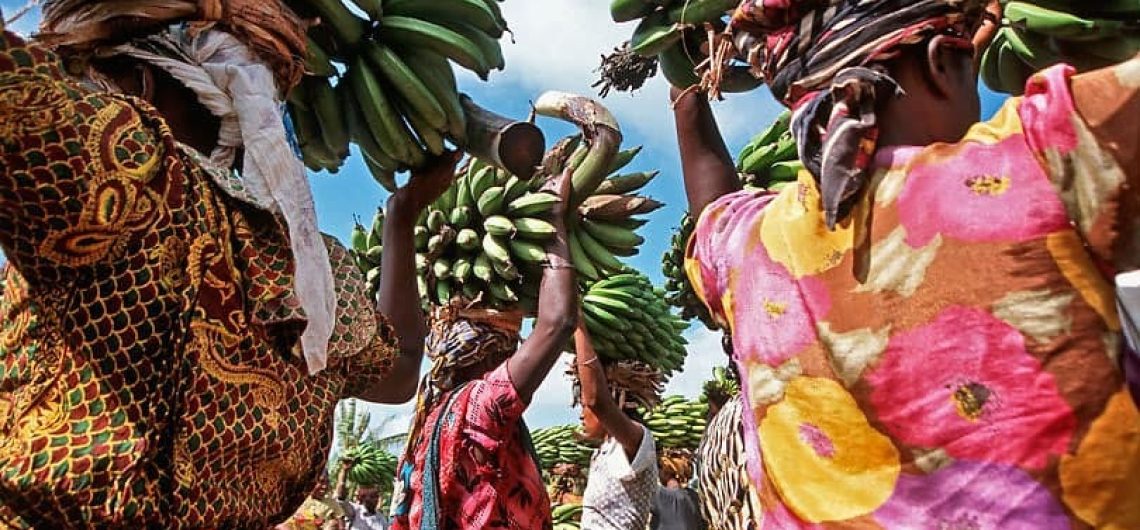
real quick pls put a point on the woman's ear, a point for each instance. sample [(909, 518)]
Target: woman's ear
[(943, 65)]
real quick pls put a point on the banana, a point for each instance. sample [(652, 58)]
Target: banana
[(491, 201), (431, 139), (532, 204), (627, 10), (527, 252), (435, 220), (678, 66), (482, 268), (467, 239), (461, 269), (358, 238), (499, 226), (534, 229), (460, 217), (503, 293), (654, 34), (407, 84), (386, 124), (1059, 23), (611, 235), (317, 60), (496, 249), (324, 101), (623, 158), (442, 291), (488, 46), (441, 269), (601, 258), (628, 183), (515, 188), (413, 32), (581, 260), (435, 72), (481, 180), (698, 11), (474, 12)]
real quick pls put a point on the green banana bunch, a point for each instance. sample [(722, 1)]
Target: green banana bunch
[(371, 465), (1040, 33), (629, 320), (566, 516), (677, 423), (367, 249), (770, 159), (561, 444), (721, 383), (671, 33), (679, 290), (386, 82)]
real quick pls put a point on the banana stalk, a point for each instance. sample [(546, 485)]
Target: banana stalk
[(516, 146), (600, 130)]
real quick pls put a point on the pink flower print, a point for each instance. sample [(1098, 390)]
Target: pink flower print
[(965, 383), (775, 314), (972, 496), (983, 192)]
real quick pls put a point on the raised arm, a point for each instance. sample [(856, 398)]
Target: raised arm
[(398, 277), (557, 306), (596, 395), (708, 168)]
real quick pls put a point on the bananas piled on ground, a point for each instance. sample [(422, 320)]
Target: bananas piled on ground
[(1036, 34), (370, 465), (677, 423), (628, 320), (673, 34), (770, 159), (566, 516), (561, 444), (386, 82), (366, 245)]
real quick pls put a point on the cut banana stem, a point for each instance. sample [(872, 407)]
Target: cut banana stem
[(516, 146)]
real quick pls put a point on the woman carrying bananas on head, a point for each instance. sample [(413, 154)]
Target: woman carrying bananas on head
[(925, 320), (177, 332), (469, 462), (623, 472)]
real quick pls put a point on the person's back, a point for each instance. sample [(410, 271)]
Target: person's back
[(950, 309), (676, 508)]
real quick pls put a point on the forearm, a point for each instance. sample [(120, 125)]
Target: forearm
[(591, 375), (707, 166), (557, 314), (399, 293)]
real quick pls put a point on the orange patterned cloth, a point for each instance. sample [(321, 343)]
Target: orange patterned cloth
[(150, 375)]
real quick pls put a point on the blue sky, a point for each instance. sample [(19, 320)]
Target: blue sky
[(557, 45)]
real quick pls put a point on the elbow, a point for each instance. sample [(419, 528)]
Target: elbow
[(562, 325)]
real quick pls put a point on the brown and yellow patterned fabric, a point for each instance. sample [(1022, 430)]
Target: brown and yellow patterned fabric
[(149, 371)]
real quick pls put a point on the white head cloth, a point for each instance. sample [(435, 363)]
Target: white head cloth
[(240, 90)]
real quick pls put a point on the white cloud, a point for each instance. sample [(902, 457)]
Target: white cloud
[(705, 353)]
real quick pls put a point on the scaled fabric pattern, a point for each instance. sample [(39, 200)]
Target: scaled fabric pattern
[(487, 478), (150, 370), (619, 491), (949, 355)]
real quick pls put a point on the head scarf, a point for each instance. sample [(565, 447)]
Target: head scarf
[(822, 58), (269, 28), (460, 337), (235, 83)]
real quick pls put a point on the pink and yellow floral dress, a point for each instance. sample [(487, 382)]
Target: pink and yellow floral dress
[(949, 357)]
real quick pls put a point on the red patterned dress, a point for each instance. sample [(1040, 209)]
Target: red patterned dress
[(150, 375), (488, 479)]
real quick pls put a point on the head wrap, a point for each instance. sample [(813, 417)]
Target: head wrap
[(269, 28), (461, 337), (632, 384), (233, 81), (822, 58)]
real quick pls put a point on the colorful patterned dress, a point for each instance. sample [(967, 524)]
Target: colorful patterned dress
[(949, 356), (487, 478), (149, 370)]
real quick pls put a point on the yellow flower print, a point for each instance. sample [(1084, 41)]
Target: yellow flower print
[(1102, 481), (795, 235), (824, 458)]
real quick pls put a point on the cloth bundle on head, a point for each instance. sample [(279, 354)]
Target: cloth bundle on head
[(677, 463), (823, 59), (632, 384), (272, 30), (461, 337), (238, 57)]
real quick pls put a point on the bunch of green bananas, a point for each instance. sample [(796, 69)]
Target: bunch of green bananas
[(722, 383), (629, 320), (561, 444), (1036, 34), (770, 160), (370, 465), (679, 290), (673, 32), (677, 423), (367, 248), (566, 516), (386, 82)]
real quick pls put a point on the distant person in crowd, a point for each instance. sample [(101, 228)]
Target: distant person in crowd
[(676, 506)]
